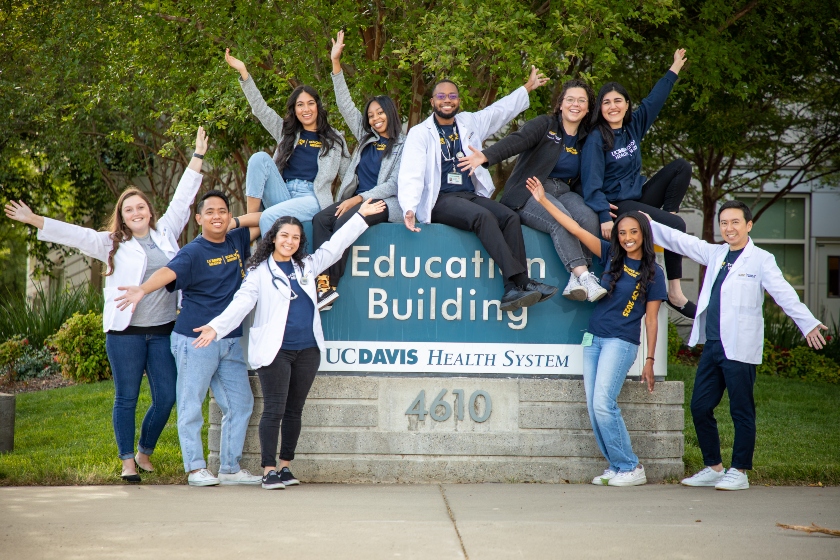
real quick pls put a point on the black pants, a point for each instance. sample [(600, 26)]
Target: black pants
[(285, 384), (661, 195), (325, 223), (717, 373), (497, 227)]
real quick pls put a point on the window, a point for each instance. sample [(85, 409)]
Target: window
[(833, 277)]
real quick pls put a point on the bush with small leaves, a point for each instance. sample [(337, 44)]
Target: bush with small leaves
[(80, 347)]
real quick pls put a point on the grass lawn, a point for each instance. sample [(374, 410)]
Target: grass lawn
[(64, 436), (798, 430)]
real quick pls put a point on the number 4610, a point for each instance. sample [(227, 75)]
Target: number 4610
[(418, 406)]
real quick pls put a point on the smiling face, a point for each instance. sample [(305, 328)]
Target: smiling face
[(613, 109), (287, 242), (136, 215), (306, 111), (214, 219), (445, 108), (574, 106), (734, 228), (630, 237), (377, 119)]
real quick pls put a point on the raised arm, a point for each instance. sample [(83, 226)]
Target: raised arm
[(488, 121), (673, 240), (590, 241), (269, 118), (352, 116), (178, 213), (649, 108)]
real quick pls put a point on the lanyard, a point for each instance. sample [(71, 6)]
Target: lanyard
[(446, 142)]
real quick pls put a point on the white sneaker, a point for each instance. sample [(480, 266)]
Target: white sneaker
[(241, 477), (573, 290), (733, 480), (594, 290), (706, 477), (603, 479), (202, 478), (636, 477)]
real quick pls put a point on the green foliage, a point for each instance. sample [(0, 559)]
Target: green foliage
[(41, 317), (801, 362), (10, 352), (675, 342), (780, 329), (80, 348)]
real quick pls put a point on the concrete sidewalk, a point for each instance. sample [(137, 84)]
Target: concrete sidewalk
[(474, 521)]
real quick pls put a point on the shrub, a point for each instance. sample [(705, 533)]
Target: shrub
[(675, 342), (80, 347), (20, 360), (801, 362), (10, 352)]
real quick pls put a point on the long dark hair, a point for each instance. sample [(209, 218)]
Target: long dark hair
[(586, 123), (597, 119), (647, 270), (394, 128), (292, 127), (265, 248), (118, 228)]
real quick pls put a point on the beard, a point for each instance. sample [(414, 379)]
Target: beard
[(440, 114)]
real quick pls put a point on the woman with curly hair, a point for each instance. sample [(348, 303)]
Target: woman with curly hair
[(286, 339), (635, 288), (310, 154), (135, 244)]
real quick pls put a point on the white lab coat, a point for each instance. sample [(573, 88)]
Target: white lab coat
[(272, 298), (741, 294), (420, 168), (130, 259)]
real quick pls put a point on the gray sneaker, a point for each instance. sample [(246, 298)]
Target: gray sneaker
[(241, 477), (573, 290), (594, 290)]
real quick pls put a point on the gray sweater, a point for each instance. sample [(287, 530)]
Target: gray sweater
[(386, 185), (330, 166)]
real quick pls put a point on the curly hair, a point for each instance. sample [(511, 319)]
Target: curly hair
[(117, 226), (585, 123), (265, 248), (292, 127), (647, 270)]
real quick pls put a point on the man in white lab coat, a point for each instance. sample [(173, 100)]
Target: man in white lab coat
[(431, 188), (729, 321)]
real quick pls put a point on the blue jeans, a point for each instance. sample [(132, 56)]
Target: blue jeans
[(280, 198), (605, 366), (130, 355), (221, 367)]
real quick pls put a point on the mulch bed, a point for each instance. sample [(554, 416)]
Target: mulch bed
[(31, 385)]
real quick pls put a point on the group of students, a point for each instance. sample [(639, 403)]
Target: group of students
[(577, 168)]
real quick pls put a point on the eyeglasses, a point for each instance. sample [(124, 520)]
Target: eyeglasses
[(575, 100), (443, 96)]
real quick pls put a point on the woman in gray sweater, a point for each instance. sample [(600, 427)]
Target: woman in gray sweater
[(310, 154), (371, 175)]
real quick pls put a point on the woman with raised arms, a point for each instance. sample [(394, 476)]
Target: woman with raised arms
[(135, 244), (635, 289), (286, 339), (372, 174), (310, 154), (611, 169), (549, 148)]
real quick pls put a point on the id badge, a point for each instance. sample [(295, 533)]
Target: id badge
[(587, 339), (454, 178)]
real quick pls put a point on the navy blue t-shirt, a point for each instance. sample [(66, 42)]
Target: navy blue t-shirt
[(303, 163), (449, 150), (713, 310), (369, 164), (298, 334), (568, 164), (208, 275), (619, 314)]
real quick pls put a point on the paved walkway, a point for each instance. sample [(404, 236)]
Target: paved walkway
[(474, 521)]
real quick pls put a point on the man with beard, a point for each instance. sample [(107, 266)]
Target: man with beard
[(431, 188)]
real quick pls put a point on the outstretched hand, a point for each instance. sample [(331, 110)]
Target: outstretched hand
[(208, 335), (473, 161), (337, 47), (370, 207), (679, 61), (132, 296), (410, 220), (535, 80), (535, 186), (236, 64), (201, 141), (815, 338), (19, 212)]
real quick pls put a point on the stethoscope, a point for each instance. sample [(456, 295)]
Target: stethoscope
[(285, 281)]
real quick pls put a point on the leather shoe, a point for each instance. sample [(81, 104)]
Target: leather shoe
[(544, 290), (517, 297)]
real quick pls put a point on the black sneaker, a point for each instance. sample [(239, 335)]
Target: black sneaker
[(272, 481), (326, 298), (287, 477), (517, 297), (544, 290)]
